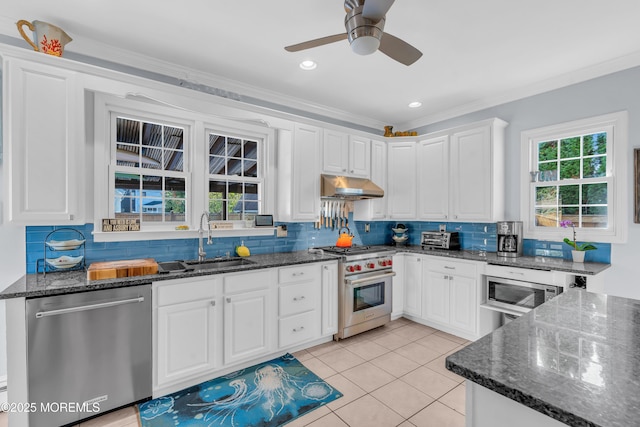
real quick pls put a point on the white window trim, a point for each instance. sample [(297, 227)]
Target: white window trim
[(616, 174), (196, 163)]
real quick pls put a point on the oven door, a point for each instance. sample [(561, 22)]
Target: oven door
[(367, 296), (517, 295)]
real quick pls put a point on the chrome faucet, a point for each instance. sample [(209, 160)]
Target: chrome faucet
[(201, 253)]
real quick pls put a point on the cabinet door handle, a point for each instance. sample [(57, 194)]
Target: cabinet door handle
[(298, 298), (326, 267), (446, 277), (228, 299), (301, 328), (213, 303)]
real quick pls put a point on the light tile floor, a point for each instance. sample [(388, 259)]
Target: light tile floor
[(391, 376)]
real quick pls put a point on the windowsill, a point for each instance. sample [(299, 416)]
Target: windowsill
[(130, 236)]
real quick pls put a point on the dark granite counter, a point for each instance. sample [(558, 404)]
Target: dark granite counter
[(57, 283), (574, 359), (535, 263)]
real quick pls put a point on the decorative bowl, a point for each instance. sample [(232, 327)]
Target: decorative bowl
[(64, 245), (65, 262), (400, 238)]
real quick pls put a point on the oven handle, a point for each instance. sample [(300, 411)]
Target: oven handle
[(351, 282)]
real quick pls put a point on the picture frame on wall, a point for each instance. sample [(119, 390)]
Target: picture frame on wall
[(636, 185)]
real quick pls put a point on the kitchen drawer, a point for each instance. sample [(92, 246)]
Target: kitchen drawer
[(298, 328), (298, 273), (525, 274), (448, 266), (247, 282), (297, 298), (185, 290)]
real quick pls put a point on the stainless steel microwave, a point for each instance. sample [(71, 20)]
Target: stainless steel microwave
[(517, 295)]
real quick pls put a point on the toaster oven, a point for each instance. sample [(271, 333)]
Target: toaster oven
[(449, 240)]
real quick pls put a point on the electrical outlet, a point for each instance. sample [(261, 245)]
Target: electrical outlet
[(367, 228), (443, 228), (281, 231)]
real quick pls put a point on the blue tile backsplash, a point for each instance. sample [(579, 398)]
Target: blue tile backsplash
[(300, 236)]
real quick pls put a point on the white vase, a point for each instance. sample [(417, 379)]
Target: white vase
[(578, 256)]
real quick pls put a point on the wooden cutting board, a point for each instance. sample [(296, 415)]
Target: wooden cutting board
[(123, 268)]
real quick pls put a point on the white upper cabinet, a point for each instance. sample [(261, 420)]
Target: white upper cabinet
[(461, 173), (43, 144), (344, 154), (477, 173), (402, 179), (371, 209), (433, 178), (298, 195)]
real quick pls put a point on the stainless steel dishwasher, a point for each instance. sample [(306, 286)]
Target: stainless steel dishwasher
[(88, 347)]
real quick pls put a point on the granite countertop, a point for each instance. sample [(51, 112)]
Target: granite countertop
[(58, 283), (574, 358), (535, 263)]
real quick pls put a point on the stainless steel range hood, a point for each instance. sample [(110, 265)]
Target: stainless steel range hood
[(345, 187)]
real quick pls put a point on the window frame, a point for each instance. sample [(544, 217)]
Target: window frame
[(195, 161), (616, 126)]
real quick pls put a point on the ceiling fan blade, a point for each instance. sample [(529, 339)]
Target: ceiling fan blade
[(398, 49), (315, 43), (376, 9)]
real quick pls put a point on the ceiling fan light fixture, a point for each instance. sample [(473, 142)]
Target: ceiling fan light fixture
[(308, 65), (365, 45)]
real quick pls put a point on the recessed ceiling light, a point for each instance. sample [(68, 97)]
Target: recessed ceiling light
[(415, 104), (308, 65)]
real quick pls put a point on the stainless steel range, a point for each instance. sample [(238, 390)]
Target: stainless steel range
[(365, 281)]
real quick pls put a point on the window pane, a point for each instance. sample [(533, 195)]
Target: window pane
[(547, 151), (546, 196), (251, 150), (234, 208), (128, 155), (174, 210), (151, 158), (595, 217), (570, 169), (216, 145), (250, 168), (175, 187), (152, 185), (217, 200), (594, 194), (127, 131), (595, 144), (152, 134), (570, 213), (173, 138), (569, 194), (234, 147), (570, 147), (217, 166), (127, 182), (594, 167), (234, 167), (173, 160), (546, 217), (550, 166)]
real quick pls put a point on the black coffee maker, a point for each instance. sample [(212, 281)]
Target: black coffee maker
[(509, 235)]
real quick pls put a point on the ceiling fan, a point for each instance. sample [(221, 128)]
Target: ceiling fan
[(364, 23)]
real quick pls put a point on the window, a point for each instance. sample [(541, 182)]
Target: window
[(570, 172), (150, 181), (235, 178)]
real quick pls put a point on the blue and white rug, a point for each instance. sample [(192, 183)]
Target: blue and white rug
[(269, 394)]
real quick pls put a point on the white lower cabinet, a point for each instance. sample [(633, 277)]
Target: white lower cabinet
[(413, 284), (208, 326), (187, 325), (451, 295)]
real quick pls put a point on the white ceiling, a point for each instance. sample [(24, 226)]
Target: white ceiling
[(476, 53)]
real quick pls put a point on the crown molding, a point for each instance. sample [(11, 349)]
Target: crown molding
[(84, 50), (567, 79)]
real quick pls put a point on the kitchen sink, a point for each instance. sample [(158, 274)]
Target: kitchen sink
[(207, 264), (210, 264)]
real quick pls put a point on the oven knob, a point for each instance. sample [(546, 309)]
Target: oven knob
[(390, 262), (350, 269), (358, 267), (382, 263), (371, 265)]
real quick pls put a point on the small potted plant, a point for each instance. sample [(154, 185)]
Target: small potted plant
[(578, 249)]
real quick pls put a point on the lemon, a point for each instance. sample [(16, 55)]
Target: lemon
[(242, 250)]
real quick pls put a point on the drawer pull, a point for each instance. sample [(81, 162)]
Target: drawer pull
[(300, 329), (298, 274), (449, 268), (228, 299), (516, 272), (298, 298)]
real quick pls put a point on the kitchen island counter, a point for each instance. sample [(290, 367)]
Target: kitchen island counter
[(575, 359), (58, 283)]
